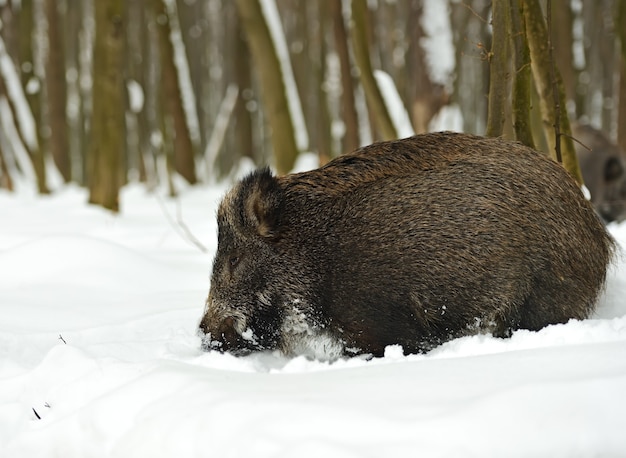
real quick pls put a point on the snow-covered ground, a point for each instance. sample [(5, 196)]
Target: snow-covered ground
[(98, 317)]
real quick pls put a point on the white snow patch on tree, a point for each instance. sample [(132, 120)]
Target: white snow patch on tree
[(393, 102), (438, 44), (135, 96), (272, 19), (449, 117)]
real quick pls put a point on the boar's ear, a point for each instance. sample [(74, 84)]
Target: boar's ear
[(263, 203)]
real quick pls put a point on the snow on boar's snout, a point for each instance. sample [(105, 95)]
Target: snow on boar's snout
[(411, 242), (225, 328)]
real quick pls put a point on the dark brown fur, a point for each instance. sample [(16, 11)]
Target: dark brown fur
[(411, 242)]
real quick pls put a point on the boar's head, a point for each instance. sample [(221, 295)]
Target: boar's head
[(241, 313)]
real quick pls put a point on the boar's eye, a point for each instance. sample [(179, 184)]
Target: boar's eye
[(233, 261)]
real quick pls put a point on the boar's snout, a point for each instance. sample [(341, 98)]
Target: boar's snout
[(221, 335)]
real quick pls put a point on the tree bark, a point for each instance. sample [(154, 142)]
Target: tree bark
[(323, 133), (563, 38), (499, 68), (375, 102), (73, 20), (31, 80), (272, 83), (56, 91), (621, 117), (348, 107), (6, 182), (243, 117), (522, 78), (108, 133), (425, 96), (183, 153), (135, 117), (471, 39), (548, 80)]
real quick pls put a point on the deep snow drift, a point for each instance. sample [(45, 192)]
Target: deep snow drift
[(97, 338)]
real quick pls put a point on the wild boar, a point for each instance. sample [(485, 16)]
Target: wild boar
[(411, 242)]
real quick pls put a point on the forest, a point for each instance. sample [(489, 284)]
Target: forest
[(109, 92), (151, 109)]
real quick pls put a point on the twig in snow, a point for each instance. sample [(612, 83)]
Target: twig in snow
[(62, 339), (35, 412), (185, 228), (179, 225)]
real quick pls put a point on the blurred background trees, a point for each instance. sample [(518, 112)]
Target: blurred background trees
[(196, 90)]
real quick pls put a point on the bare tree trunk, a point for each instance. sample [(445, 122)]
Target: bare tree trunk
[(107, 131), (85, 64), (563, 38), (272, 83), (348, 108), (243, 117), (30, 80), (547, 78), (600, 57), (621, 117), (150, 116), (56, 90), (188, 14), (135, 116), (323, 115), (6, 182), (375, 102), (73, 20), (522, 78), (183, 147), (607, 54), (300, 31), (9, 29), (471, 41), (499, 68), (426, 97)]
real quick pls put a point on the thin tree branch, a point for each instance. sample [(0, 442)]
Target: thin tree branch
[(179, 224)]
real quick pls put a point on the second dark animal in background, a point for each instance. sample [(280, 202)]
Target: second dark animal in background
[(603, 166), (411, 242)]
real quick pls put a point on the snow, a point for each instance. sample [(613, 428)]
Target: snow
[(136, 96), (449, 117), (98, 337), (395, 106), (438, 42)]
